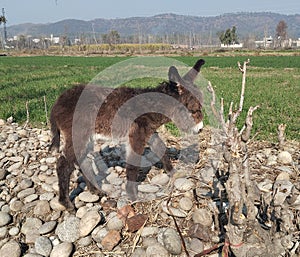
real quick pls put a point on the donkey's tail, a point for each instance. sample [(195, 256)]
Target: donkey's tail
[(55, 142)]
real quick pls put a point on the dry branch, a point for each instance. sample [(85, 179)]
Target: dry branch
[(242, 97), (46, 112), (218, 115), (213, 101), (27, 114), (246, 130), (178, 229), (281, 134)]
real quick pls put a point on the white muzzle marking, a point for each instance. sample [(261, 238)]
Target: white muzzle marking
[(198, 127)]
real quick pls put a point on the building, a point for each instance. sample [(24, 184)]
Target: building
[(232, 46), (267, 42)]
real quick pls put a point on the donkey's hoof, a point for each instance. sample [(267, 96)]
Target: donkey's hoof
[(172, 172), (101, 193), (132, 190), (97, 191), (67, 204)]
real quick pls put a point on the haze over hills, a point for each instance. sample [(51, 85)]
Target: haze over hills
[(254, 25)]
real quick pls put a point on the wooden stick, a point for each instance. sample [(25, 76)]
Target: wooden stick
[(242, 97), (46, 112), (219, 115), (230, 113), (27, 115), (178, 229), (138, 236), (281, 134), (222, 119), (213, 101), (246, 131)]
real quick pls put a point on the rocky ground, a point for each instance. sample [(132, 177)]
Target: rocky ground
[(33, 223)]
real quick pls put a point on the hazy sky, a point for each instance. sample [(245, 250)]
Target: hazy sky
[(44, 11)]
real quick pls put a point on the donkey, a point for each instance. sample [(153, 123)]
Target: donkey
[(96, 115)]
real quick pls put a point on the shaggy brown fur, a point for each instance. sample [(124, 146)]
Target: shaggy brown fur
[(96, 109)]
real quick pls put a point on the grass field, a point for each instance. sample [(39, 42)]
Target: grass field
[(272, 82)]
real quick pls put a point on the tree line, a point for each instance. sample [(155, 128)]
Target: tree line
[(226, 37), (230, 37)]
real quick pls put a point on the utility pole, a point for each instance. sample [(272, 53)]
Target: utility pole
[(210, 38), (266, 32), (94, 33)]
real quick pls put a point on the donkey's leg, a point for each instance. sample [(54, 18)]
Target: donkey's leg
[(92, 188), (159, 148), (134, 153), (90, 177), (133, 162), (64, 170), (86, 166), (132, 183)]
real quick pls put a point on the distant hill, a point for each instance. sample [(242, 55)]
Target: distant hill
[(254, 25)]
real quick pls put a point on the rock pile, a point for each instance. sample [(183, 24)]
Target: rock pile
[(184, 207)]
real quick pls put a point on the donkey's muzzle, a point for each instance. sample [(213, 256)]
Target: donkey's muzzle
[(198, 127)]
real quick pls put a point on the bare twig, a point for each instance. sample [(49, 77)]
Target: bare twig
[(240, 67), (230, 112), (281, 134), (178, 230), (222, 119), (218, 115), (243, 70), (213, 101), (27, 115), (138, 236), (246, 130), (46, 112)]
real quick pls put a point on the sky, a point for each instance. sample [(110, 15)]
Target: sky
[(48, 11)]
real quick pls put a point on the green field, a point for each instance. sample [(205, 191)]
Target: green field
[(272, 82)]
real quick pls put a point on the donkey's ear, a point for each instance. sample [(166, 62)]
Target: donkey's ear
[(176, 80), (192, 74), (174, 76)]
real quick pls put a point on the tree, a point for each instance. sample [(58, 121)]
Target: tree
[(2, 19), (281, 32), (228, 37), (21, 42), (234, 35), (113, 37)]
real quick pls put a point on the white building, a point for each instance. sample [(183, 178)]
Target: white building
[(232, 46), (36, 40), (267, 42), (53, 40)]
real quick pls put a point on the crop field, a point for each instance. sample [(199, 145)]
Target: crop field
[(273, 82)]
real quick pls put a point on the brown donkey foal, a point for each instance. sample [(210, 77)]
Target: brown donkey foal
[(85, 111)]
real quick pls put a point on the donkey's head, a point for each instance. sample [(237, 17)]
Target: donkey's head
[(188, 93)]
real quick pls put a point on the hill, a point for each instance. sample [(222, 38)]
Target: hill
[(248, 25)]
